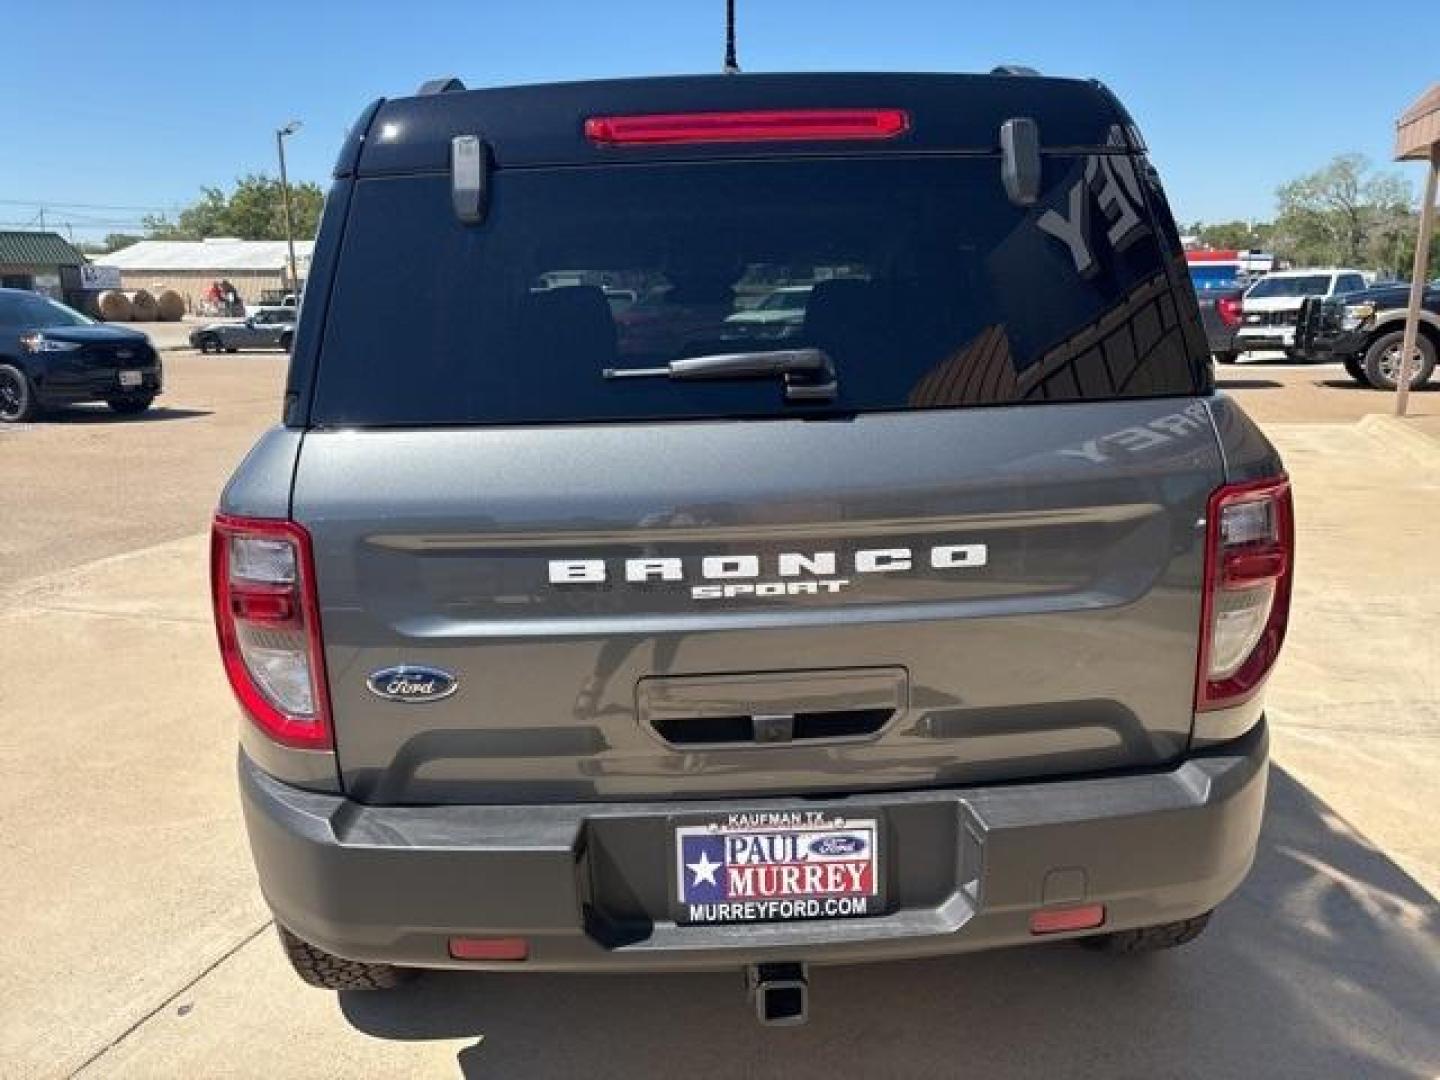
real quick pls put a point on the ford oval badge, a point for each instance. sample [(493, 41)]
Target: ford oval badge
[(837, 844), (412, 684)]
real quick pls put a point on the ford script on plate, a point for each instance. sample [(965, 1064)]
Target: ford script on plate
[(777, 866)]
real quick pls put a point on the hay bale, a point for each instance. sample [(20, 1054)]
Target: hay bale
[(170, 305), (142, 306), (114, 306)]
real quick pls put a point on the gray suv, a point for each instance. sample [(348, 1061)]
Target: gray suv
[(575, 639)]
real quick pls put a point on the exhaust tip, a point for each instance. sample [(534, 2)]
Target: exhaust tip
[(781, 993)]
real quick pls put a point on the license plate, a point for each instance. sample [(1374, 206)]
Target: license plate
[(131, 378), (777, 867)]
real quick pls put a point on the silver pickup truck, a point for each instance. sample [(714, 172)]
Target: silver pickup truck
[(569, 640)]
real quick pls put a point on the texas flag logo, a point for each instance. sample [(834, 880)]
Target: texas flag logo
[(755, 866)]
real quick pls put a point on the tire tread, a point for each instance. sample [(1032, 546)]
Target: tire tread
[(1144, 939), (329, 972)]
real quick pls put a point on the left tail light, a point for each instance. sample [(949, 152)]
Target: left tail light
[(1229, 309), (262, 575), (1249, 563)]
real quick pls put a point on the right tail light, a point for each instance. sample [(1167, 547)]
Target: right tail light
[(1249, 562)]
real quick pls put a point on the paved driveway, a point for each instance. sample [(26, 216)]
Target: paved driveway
[(136, 944)]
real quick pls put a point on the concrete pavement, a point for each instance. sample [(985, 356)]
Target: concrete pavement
[(137, 945)]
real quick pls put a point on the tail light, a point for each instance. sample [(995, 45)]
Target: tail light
[(266, 615), (1249, 560), (768, 125), (1229, 309)]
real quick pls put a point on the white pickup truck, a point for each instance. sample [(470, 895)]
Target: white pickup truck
[(1271, 306)]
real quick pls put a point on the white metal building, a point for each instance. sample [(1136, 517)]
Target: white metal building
[(189, 266)]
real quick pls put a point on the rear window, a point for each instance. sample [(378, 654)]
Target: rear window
[(917, 276)]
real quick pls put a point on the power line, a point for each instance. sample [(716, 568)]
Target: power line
[(51, 203)]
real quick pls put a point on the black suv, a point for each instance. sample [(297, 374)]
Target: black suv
[(52, 355), (1365, 331)]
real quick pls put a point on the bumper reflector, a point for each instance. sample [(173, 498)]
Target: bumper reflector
[(1058, 920), (489, 948)]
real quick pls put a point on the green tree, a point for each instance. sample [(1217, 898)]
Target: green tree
[(254, 210), (116, 240), (1343, 214), (1236, 235)]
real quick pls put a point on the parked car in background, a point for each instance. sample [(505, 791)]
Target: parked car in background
[(1364, 331), (1219, 288), (52, 355), (1272, 306), (778, 315), (264, 328)]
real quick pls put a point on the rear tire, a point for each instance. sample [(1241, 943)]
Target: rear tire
[(17, 396), (1147, 939), (1227, 357), (286, 341), (1382, 360), (320, 968)]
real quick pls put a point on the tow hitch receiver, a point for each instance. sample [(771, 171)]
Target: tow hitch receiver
[(781, 993)]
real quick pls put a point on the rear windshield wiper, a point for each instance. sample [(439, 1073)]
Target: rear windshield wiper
[(809, 374)]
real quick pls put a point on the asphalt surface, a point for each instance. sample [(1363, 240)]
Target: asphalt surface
[(137, 944)]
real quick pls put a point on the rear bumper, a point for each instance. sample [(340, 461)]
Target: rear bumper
[(587, 884)]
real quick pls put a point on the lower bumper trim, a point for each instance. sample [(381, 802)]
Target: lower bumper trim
[(588, 885)]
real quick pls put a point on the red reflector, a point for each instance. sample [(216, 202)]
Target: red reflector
[(270, 605), (489, 948), (1058, 920), (754, 126)]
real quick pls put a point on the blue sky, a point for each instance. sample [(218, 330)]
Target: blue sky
[(131, 106)]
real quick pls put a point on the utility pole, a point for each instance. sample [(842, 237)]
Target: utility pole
[(732, 64), (289, 129)]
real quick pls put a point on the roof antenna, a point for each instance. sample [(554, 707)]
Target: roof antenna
[(732, 65)]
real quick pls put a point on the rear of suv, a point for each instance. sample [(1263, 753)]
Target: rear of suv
[(571, 640)]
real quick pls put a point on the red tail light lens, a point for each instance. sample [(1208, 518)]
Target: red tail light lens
[(1249, 562), (1228, 308), (754, 126), (262, 578)]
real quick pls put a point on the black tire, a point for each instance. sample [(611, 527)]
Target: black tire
[(1146, 939), (1381, 362), (1229, 356), (286, 340), (230, 348), (209, 344), (130, 404), (17, 396), (319, 968), (1356, 370)]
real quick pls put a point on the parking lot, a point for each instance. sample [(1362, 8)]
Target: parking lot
[(137, 943)]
